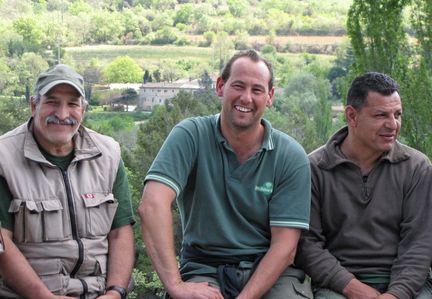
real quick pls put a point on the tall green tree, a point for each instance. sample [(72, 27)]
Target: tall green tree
[(377, 35), (92, 73), (416, 86), (379, 42)]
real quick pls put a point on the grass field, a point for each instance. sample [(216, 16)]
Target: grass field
[(156, 54), (299, 40), (141, 54)]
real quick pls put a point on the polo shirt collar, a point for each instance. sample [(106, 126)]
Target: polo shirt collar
[(268, 143)]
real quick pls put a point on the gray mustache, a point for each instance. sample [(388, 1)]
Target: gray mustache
[(52, 119)]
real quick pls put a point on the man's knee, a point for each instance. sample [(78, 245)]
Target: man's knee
[(327, 294), (426, 291)]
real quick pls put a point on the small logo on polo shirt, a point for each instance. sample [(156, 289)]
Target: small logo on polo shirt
[(266, 188), (89, 195)]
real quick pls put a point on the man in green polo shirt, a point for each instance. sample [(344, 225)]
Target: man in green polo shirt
[(243, 192)]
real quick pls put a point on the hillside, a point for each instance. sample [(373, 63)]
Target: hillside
[(325, 45)]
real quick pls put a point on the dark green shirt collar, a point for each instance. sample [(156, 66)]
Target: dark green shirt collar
[(268, 143)]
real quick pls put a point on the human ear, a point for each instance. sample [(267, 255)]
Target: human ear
[(219, 86), (351, 115)]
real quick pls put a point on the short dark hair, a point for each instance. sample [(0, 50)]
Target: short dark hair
[(255, 57), (370, 81)]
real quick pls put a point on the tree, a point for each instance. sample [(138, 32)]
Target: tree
[(416, 86), (421, 18), (169, 70), (123, 70), (14, 111), (157, 75), (205, 81), (377, 35), (147, 77), (163, 5), (222, 48), (307, 109), (8, 78), (209, 37), (78, 7), (29, 66), (379, 43), (296, 124), (184, 14), (163, 36), (105, 27), (30, 32), (238, 7), (92, 74), (128, 96)]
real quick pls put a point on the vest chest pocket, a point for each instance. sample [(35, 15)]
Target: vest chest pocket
[(100, 211), (39, 221)]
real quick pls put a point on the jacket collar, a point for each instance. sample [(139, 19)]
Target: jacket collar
[(333, 156)]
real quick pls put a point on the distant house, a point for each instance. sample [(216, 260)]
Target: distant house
[(151, 94)]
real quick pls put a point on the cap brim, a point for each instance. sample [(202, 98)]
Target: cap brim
[(50, 85)]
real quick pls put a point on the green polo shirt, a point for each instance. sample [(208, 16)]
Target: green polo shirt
[(226, 208)]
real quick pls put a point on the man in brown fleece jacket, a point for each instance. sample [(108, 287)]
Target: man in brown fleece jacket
[(370, 233)]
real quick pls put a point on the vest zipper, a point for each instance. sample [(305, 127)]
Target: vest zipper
[(85, 288), (73, 225)]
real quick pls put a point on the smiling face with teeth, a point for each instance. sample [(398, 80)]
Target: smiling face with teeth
[(245, 95)]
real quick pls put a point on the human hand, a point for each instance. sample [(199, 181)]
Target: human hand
[(110, 295), (355, 289), (195, 290)]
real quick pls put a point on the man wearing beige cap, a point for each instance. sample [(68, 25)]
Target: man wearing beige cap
[(65, 207)]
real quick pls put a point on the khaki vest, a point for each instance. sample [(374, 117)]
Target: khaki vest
[(62, 219)]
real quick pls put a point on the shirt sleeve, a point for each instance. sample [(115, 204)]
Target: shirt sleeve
[(290, 202), (176, 158), (124, 214), (412, 263), (6, 218)]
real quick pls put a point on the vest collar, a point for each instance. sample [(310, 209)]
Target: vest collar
[(84, 146)]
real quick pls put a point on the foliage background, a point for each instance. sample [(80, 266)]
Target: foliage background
[(316, 47)]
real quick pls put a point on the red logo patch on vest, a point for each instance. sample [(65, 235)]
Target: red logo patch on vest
[(89, 195)]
